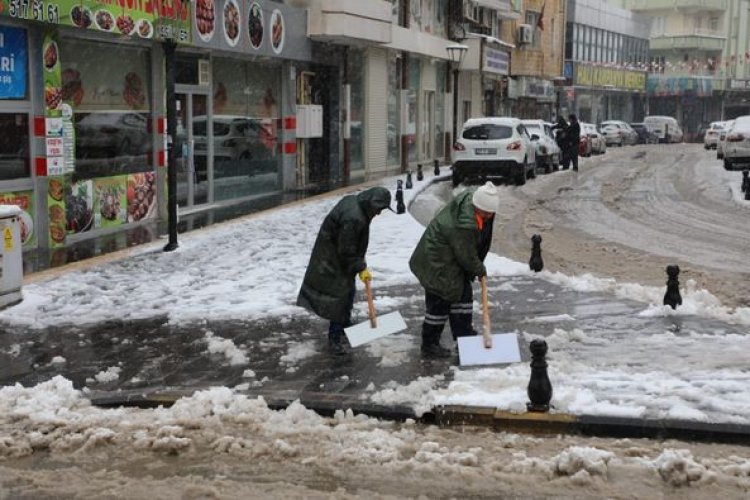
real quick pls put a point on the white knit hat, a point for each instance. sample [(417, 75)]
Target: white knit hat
[(485, 198)]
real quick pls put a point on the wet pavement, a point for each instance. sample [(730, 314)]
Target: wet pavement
[(126, 361)]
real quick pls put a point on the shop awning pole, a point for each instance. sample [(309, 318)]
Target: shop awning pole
[(169, 50)]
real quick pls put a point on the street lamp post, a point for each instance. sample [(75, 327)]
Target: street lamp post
[(456, 54)]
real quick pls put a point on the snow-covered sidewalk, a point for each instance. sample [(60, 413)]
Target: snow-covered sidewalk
[(251, 270)]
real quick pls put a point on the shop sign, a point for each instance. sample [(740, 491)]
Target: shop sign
[(161, 19), (739, 84), (25, 201), (661, 86), (495, 61), (13, 62), (596, 76), (259, 27), (536, 88), (56, 213)]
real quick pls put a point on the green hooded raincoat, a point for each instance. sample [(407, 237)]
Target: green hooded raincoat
[(339, 254), (449, 252)]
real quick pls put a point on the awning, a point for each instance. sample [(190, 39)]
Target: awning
[(494, 4)]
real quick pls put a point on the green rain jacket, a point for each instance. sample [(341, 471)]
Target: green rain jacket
[(339, 254), (449, 251)]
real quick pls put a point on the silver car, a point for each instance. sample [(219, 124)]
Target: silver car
[(737, 145)]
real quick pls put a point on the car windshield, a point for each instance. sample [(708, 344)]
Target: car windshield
[(487, 131)]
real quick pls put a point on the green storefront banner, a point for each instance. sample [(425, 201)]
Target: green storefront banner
[(159, 19), (597, 76)]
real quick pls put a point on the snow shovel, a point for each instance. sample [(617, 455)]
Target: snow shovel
[(375, 327), (488, 349)]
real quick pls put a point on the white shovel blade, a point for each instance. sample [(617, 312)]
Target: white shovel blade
[(471, 350), (363, 333)]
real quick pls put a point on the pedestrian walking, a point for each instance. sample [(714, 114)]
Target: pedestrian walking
[(338, 257), (573, 136), (448, 257)]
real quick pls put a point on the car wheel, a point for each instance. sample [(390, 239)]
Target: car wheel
[(521, 174), (727, 164), (456, 177)]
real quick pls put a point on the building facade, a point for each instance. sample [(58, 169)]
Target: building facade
[(606, 55), (688, 59)]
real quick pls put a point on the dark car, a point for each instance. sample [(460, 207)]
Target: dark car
[(645, 134)]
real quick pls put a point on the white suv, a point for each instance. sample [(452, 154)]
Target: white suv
[(737, 144), (494, 147), (548, 154)]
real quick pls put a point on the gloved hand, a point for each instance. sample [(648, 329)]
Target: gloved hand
[(365, 275)]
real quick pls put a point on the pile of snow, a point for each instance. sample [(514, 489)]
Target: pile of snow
[(218, 345)]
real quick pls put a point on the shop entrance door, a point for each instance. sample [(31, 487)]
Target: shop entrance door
[(194, 150)]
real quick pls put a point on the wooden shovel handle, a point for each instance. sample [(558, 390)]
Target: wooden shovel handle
[(486, 315), (370, 305)]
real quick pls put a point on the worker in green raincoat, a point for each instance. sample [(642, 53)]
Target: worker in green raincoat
[(448, 257), (337, 257)]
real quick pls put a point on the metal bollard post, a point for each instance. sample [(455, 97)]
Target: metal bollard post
[(408, 180), (420, 175), (437, 167), (745, 180), (540, 388), (536, 263), (672, 297), (400, 207)]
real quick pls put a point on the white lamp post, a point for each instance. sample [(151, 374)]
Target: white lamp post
[(456, 54)]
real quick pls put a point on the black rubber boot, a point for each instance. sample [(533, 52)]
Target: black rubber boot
[(435, 351), (336, 344), (431, 347)]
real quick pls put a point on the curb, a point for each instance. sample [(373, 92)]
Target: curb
[(542, 424)]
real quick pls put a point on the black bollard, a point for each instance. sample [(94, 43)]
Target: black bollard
[(420, 175), (747, 193), (672, 298), (745, 180), (540, 388), (408, 179), (536, 263), (437, 167), (400, 207)]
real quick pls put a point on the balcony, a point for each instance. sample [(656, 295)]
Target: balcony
[(350, 22), (696, 39), (685, 5)]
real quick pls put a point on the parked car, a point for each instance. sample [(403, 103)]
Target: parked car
[(666, 128), (494, 147), (548, 154), (598, 146), (584, 145), (722, 139), (645, 134), (618, 133), (737, 144), (711, 136)]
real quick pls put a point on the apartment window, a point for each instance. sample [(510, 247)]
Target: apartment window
[(713, 24), (532, 18)]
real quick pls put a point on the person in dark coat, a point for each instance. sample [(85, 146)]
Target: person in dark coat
[(338, 257), (573, 136), (560, 129), (448, 257)]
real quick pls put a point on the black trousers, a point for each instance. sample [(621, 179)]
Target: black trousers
[(438, 311)]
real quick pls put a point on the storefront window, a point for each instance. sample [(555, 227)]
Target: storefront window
[(246, 111), (109, 89), (393, 128), (14, 146), (356, 79), (411, 130)]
